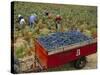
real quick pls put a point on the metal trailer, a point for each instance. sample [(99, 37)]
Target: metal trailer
[(75, 53)]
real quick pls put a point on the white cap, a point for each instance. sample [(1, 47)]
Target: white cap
[(19, 15)]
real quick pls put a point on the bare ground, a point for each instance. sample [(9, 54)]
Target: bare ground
[(91, 62)]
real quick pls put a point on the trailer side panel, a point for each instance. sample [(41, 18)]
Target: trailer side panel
[(61, 58)]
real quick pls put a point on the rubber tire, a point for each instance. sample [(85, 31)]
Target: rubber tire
[(80, 63)]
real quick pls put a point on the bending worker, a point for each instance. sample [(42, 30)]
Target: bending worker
[(32, 20), (21, 21)]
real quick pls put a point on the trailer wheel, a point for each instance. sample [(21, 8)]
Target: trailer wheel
[(80, 63)]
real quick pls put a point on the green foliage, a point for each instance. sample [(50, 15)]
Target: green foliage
[(73, 15), (20, 52)]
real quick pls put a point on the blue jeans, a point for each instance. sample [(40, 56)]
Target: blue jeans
[(31, 24)]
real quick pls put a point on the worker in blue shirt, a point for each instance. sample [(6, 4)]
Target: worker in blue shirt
[(32, 20)]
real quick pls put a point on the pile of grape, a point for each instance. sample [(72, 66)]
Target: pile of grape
[(60, 39)]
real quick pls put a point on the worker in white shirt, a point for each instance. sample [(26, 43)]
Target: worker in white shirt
[(21, 21)]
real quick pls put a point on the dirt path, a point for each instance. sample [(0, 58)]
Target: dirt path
[(92, 62)]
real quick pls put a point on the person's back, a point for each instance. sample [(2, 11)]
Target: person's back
[(32, 20), (19, 18), (21, 21), (58, 18)]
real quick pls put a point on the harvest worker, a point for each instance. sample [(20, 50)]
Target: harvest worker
[(21, 21), (58, 22), (32, 20), (47, 18), (46, 13)]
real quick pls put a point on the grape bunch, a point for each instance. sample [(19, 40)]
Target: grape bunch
[(60, 39)]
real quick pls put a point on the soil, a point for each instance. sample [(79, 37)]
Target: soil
[(91, 62)]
